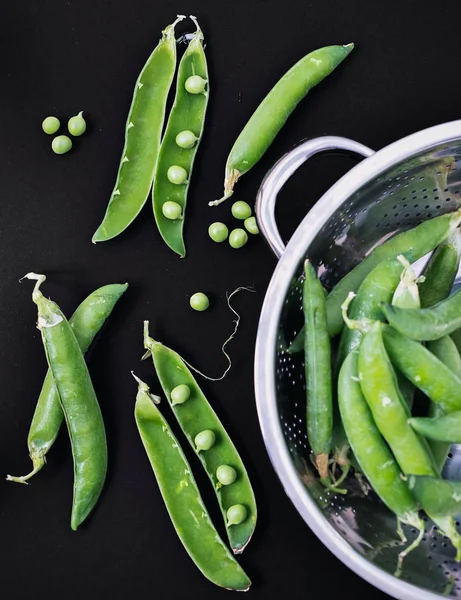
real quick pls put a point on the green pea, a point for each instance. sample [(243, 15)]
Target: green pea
[(226, 474), (218, 232), (251, 225), (186, 139), (238, 238), (50, 125), (177, 175), (77, 125), (199, 301), (195, 84), (171, 210), (205, 440), (236, 514), (241, 210), (180, 394), (61, 144)]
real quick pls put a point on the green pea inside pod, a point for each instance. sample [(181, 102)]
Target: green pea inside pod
[(205, 440), (171, 210), (226, 475), (177, 175), (180, 394), (236, 514), (186, 139), (77, 125), (195, 84)]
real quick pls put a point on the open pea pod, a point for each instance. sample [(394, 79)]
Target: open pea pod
[(195, 415)]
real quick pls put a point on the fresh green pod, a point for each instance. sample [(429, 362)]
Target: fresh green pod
[(270, 116), (188, 113), (182, 497), (142, 138), (427, 324), (440, 272), (390, 412), (86, 322), (438, 496), (194, 416), (445, 428), (78, 401), (317, 352), (413, 244), (377, 287), (424, 370), (456, 337), (370, 449)]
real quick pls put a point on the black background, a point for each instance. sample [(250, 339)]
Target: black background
[(62, 56)]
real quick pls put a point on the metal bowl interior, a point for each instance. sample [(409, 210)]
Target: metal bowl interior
[(414, 179)]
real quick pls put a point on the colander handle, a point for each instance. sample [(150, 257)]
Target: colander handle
[(283, 170)]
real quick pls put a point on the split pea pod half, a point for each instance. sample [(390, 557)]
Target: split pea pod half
[(317, 352), (86, 322), (195, 415), (438, 496), (78, 401), (413, 244), (142, 138), (182, 497), (273, 112), (187, 116), (371, 451)]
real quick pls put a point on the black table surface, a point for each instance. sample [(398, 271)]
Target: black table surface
[(60, 57)]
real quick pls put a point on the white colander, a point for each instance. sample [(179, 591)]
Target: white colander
[(391, 190)]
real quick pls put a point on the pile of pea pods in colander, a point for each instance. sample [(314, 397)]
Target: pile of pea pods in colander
[(357, 366)]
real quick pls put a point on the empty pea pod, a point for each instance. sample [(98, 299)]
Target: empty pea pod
[(142, 138), (78, 401), (86, 322), (187, 115), (270, 116), (413, 244), (182, 497), (194, 416)]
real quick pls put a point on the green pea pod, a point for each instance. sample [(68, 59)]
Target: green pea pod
[(317, 351), (86, 322), (424, 370), (297, 345), (194, 416), (413, 244), (142, 138), (440, 272), (390, 412), (187, 114), (446, 428), (438, 496), (182, 497), (445, 350), (370, 449), (78, 401), (273, 112), (377, 287)]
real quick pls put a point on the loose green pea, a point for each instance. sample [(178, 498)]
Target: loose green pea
[(180, 394), (199, 301), (195, 84), (241, 210), (238, 238), (251, 225), (171, 210), (186, 139), (61, 144), (77, 125), (226, 474), (177, 175), (205, 440), (218, 232), (236, 514), (50, 125)]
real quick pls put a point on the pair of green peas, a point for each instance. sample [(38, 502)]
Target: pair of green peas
[(185, 139), (225, 474), (62, 143), (219, 232)]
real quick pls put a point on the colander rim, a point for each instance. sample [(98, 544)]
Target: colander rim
[(264, 362)]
